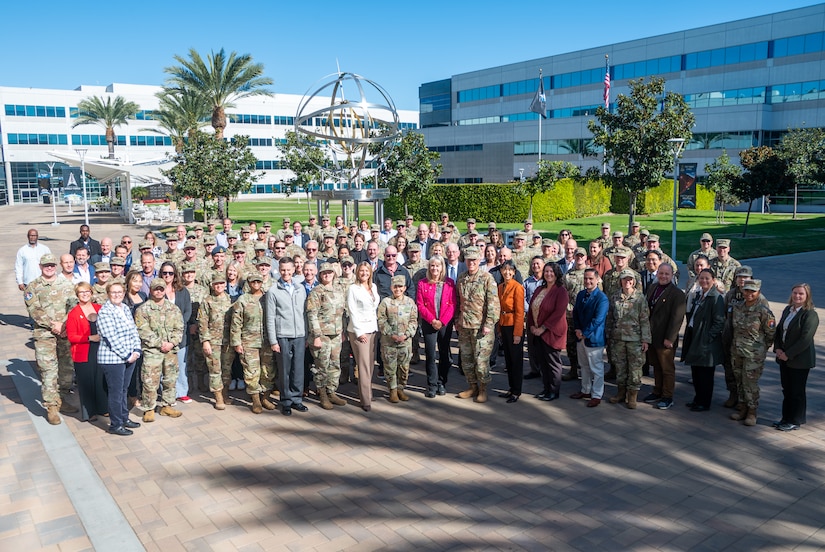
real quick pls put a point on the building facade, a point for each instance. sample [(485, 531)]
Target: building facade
[(747, 82), (35, 122)]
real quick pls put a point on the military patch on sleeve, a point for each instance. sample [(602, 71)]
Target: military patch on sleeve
[(772, 323), (28, 296)]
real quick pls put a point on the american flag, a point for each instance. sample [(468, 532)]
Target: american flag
[(607, 89)]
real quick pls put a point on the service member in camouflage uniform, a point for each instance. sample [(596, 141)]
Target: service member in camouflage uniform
[(160, 327), (103, 273), (196, 364), (611, 282), (347, 278), (732, 298), (398, 324), (49, 298), (754, 326), (632, 238), (724, 266), (628, 332), (574, 283), (325, 307), (246, 336), (478, 312), (172, 253), (214, 321), (521, 255)]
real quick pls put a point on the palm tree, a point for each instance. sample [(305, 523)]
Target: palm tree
[(180, 114), (220, 80), (106, 113)]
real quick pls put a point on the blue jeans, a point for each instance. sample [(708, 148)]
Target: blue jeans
[(182, 384), (117, 379), (291, 373)]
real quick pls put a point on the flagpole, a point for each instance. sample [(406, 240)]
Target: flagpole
[(540, 118), (606, 100)]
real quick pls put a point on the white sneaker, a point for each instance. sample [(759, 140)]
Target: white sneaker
[(241, 384), (233, 385)]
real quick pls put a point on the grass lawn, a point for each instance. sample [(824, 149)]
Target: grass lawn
[(767, 234)]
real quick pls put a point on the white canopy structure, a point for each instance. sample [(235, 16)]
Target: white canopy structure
[(133, 173)]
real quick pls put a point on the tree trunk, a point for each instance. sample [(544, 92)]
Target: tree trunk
[(747, 218), (631, 209), (530, 212), (222, 208), (110, 141)]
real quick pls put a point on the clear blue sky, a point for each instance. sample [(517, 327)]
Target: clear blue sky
[(58, 44)]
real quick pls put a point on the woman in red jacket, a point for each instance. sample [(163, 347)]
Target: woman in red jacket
[(81, 330), (436, 302), (547, 327), (511, 329)]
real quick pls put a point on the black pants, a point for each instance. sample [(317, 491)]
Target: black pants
[(135, 385), (117, 377), (549, 365), (702, 384), (91, 387), (437, 340), (572, 344), (513, 358), (794, 403)]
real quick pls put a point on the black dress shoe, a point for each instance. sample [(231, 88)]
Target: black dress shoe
[(513, 398), (787, 426), (506, 395), (429, 394), (120, 430), (532, 375), (301, 407), (699, 408), (130, 424), (540, 395), (691, 404), (286, 410), (779, 423), (550, 397)]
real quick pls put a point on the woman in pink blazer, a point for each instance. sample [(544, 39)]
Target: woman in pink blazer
[(436, 301)]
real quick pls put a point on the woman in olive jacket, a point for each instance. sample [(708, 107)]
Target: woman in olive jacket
[(702, 346), (795, 352)]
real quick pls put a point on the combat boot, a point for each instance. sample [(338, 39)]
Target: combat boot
[(741, 412), (266, 403), (66, 406), (482, 393), (401, 395), (620, 395), (149, 416), (219, 404), (53, 415), (227, 398), (171, 412), (335, 399), (257, 408), (393, 395), (733, 398), (750, 419), (326, 404), (631, 398), (471, 392)]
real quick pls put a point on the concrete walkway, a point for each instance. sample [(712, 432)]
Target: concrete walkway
[(440, 474)]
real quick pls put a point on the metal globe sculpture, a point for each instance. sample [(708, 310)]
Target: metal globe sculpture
[(357, 124)]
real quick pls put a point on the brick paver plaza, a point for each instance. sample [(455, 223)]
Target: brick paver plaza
[(440, 474)]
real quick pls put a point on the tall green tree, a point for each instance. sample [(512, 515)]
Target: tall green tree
[(722, 176), (220, 80), (548, 173), (409, 168), (764, 174), (803, 151), (213, 169), (305, 160), (180, 114), (635, 137), (108, 113)]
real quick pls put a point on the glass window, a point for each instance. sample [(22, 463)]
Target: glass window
[(717, 57), (691, 61), (51, 111), (62, 140), (13, 139), (731, 55), (9, 110), (75, 140), (813, 43), (796, 45), (747, 52), (30, 111)]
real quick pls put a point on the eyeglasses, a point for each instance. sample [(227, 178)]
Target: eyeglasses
[(126, 242), (84, 291), (277, 248), (390, 255), (168, 273), (312, 249)]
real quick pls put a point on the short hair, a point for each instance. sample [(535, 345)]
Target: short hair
[(708, 270), (654, 252), (84, 286), (701, 256), (593, 270), (286, 260), (112, 284)]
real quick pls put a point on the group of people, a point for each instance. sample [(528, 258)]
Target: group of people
[(322, 304)]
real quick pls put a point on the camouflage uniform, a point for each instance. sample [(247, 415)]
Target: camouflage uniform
[(691, 262), (611, 283), (478, 308), (522, 260), (175, 256), (573, 283), (345, 364), (214, 320), (753, 331), (631, 240), (325, 320), (397, 317), (725, 270), (99, 295), (49, 303), (156, 323), (197, 362), (247, 329), (627, 326)]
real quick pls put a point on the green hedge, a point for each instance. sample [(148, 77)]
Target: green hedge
[(568, 200)]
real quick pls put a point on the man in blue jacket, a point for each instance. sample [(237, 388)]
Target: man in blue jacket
[(589, 314)]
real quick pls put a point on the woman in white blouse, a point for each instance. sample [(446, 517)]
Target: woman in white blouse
[(362, 305)]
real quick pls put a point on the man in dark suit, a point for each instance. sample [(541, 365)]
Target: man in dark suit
[(653, 259), (568, 261), (455, 268), (505, 255), (422, 237), (667, 311), (92, 245), (106, 253), (301, 238)]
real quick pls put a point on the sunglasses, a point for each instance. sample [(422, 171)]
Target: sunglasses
[(168, 273), (126, 242)]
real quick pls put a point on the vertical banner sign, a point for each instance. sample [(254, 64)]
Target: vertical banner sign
[(72, 185), (687, 185)]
